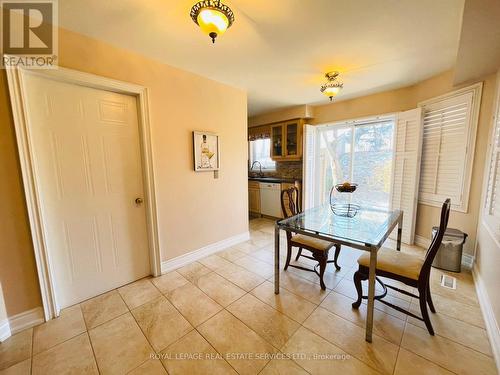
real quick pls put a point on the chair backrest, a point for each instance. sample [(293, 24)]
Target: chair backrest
[(290, 202), (436, 241)]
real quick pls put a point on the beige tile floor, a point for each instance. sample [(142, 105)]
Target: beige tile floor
[(220, 316)]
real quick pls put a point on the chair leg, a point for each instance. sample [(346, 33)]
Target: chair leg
[(358, 277), (322, 267), (336, 256), (288, 256), (299, 253), (429, 300), (423, 309)]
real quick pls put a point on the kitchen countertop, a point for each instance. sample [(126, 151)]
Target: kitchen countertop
[(273, 179)]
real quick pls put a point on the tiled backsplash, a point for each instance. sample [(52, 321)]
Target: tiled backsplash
[(285, 169)]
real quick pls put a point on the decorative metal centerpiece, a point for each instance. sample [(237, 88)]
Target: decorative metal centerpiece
[(341, 200)]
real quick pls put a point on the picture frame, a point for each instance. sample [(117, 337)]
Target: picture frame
[(206, 151)]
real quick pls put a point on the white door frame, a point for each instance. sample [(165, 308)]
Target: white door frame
[(18, 99)]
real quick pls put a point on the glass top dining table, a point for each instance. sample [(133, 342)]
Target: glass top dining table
[(367, 230)]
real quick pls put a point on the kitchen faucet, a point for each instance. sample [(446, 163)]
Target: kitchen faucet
[(261, 174)]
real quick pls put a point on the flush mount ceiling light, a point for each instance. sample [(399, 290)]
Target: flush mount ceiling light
[(332, 87), (213, 17)]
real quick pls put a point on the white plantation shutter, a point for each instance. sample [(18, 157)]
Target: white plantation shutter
[(406, 169), (493, 197), (308, 170), (492, 209), (449, 130)]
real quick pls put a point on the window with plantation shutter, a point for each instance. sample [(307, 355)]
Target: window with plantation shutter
[(449, 133), (492, 208), (493, 202)]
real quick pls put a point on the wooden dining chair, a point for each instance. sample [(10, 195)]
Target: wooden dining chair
[(290, 205), (408, 269)]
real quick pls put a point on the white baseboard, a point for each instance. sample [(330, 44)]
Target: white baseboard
[(26, 320), (5, 332), (467, 259), (193, 256), (19, 322), (489, 316)]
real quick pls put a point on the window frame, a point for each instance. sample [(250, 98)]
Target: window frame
[(353, 124), (250, 153), (476, 91)]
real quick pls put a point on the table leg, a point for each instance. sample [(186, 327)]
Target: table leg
[(276, 259), (371, 294), (400, 232)]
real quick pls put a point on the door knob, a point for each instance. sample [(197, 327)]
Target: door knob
[(138, 201)]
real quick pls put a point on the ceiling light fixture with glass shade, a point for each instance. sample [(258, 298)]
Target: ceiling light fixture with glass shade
[(332, 87), (213, 17)]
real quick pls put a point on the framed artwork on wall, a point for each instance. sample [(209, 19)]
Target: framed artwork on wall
[(206, 151)]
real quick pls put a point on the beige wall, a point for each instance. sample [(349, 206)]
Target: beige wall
[(17, 263), (407, 98), (487, 262), (194, 209)]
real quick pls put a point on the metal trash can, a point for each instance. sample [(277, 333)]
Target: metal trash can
[(449, 255)]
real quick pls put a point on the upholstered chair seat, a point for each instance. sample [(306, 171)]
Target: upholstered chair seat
[(311, 242), (395, 262)]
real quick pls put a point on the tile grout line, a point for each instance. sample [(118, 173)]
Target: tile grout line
[(268, 304), (59, 343), (209, 343), (457, 342), (32, 345), (453, 341), (88, 336), (399, 350), (144, 334), (194, 328), (418, 355), (348, 351), (224, 309), (262, 338)]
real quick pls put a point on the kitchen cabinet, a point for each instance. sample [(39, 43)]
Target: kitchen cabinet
[(254, 197), (286, 140)]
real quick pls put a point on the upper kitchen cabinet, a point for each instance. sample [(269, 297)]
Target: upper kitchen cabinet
[(286, 140), (277, 142)]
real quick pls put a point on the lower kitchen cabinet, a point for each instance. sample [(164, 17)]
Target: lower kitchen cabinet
[(254, 197)]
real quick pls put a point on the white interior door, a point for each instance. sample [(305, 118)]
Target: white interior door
[(406, 172), (88, 172)]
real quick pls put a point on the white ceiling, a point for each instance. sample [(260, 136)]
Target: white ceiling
[(278, 50)]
